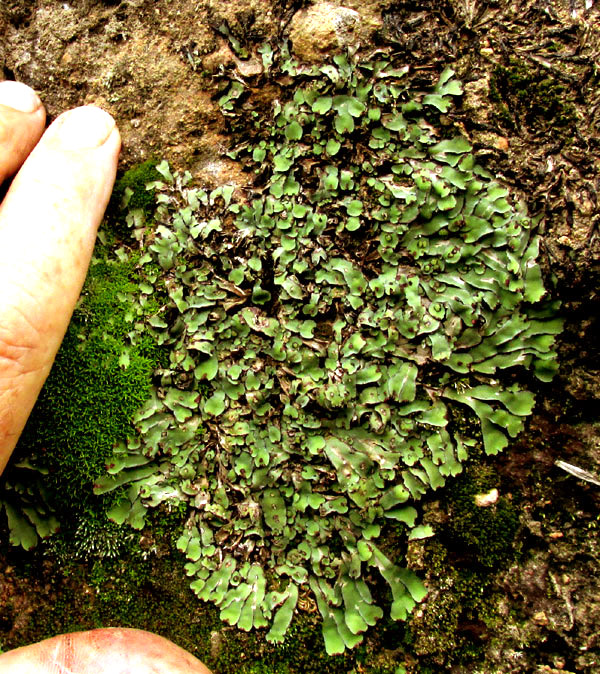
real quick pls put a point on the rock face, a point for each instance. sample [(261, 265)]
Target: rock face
[(322, 29)]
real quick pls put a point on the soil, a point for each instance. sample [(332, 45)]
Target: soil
[(530, 107)]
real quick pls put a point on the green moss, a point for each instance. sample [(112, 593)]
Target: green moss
[(523, 97), (301, 651), (133, 591), (473, 545), (98, 381), (130, 191), (147, 591), (486, 534), (453, 625)]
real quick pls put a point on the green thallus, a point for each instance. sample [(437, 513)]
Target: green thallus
[(336, 344)]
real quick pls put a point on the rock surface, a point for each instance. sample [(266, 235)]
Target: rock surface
[(323, 28)]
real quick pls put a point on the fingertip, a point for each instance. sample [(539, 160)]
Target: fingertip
[(19, 96), (114, 140), (84, 128), (22, 119)]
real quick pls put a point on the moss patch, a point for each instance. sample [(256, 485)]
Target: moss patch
[(97, 383), (130, 192), (524, 97), (144, 589), (484, 534), (99, 379), (459, 616), (475, 545)]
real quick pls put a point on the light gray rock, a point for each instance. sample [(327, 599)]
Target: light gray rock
[(322, 29)]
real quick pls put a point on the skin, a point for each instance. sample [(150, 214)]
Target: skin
[(49, 218), (48, 224), (112, 650)]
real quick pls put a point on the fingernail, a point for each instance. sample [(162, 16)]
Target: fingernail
[(18, 96), (82, 128)]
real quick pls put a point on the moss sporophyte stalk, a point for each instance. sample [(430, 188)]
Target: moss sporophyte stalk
[(334, 345)]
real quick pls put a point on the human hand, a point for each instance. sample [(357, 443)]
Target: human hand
[(48, 223), (103, 651)]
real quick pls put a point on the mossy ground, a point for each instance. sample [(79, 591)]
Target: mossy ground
[(485, 535), (99, 379), (474, 547), (90, 396), (144, 587), (528, 99), (130, 190)]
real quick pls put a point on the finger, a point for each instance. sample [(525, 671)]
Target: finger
[(102, 651), (22, 118), (48, 224)]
